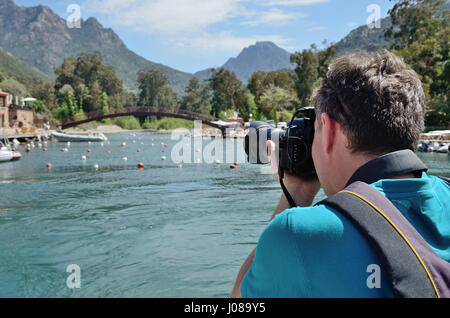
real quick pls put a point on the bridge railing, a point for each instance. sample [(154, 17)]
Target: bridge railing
[(133, 110)]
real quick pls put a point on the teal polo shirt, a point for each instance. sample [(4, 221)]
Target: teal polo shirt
[(315, 252)]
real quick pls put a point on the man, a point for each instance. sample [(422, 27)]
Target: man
[(367, 106)]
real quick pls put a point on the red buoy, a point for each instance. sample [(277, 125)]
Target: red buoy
[(49, 165), (123, 144), (236, 163), (89, 150), (141, 165), (109, 152), (28, 149), (45, 149), (139, 150)]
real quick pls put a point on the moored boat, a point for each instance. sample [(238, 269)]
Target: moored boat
[(16, 155), (5, 154), (93, 137)]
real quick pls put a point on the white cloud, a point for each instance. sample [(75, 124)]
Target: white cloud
[(193, 25), (273, 17), (165, 16), (293, 2)]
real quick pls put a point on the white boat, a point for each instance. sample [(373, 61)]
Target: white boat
[(5, 154), (95, 137), (16, 155)]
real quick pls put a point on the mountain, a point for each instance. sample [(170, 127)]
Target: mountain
[(262, 56), (371, 40), (364, 38), (266, 56), (17, 78), (41, 39), (10, 67)]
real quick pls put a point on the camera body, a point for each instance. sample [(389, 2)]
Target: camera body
[(294, 145)]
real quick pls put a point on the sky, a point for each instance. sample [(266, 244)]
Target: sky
[(192, 35)]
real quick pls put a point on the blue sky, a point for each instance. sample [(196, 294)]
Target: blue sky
[(191, 35)]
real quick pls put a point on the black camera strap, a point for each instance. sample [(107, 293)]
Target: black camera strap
[(285, 190), (384, 167), (389, 166)]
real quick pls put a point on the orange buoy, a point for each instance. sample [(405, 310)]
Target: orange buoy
[(123, 144), (139, 150), (89, 150), (141, 165), (49, 165), (236, 163)]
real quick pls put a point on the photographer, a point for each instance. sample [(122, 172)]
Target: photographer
[(369, 113)]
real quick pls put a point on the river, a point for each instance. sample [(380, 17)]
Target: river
[(161, 231)]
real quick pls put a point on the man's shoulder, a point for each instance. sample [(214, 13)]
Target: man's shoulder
[(309, 222), (322, 253)]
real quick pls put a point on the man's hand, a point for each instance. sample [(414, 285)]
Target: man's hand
[(302, 191)]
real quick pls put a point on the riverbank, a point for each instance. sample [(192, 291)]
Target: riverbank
[(114, 129)]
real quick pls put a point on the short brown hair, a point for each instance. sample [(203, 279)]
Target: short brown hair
[(378, 100)]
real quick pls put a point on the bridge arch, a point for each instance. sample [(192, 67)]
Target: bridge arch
[(141, 111)]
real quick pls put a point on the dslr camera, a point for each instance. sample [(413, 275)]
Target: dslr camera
[(294, 145)]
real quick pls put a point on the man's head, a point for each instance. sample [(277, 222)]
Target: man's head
[(367, 105)]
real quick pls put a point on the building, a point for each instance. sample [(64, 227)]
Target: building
[(21, 116), (4, 118), (17, 116)]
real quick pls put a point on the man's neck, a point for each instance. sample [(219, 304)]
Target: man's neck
[(406, 176)]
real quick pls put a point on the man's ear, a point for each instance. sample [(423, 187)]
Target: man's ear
[(329, 130)]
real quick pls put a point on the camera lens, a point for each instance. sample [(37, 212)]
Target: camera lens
[(297, 150)]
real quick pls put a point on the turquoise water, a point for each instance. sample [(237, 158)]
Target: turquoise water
[(157, 232)]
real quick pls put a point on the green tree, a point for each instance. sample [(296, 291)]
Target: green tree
[(104, 103), (150, 81), (412, 18), (47, 94), (260, 81), (68, 103), (92, 101), (276, 100), (312, 66), (226, 87), (197, 97), (325, 57), (421, 31), (249, 109), (307, 73), (166, 98), (89, 77)]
